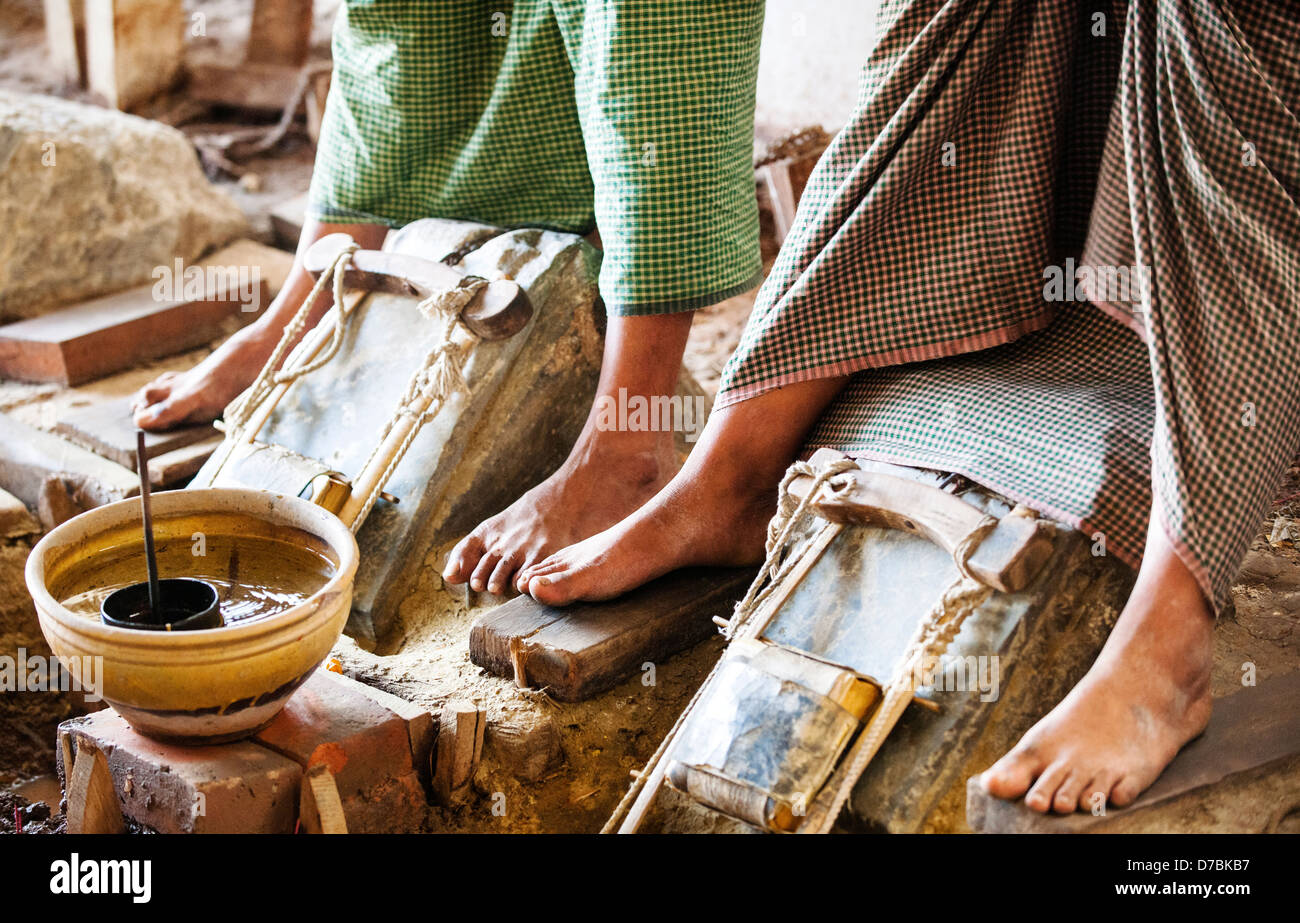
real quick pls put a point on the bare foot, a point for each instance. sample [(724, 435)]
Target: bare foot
[(705, 516), (202, 393), (606, 477), (1146, 696)]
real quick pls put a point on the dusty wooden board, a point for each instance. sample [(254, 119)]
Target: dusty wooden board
[(1249, 730), (115, 332), (584, 649), (108, 429), (55, 477)]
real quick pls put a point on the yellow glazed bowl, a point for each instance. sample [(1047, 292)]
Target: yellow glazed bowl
[(211, 685)]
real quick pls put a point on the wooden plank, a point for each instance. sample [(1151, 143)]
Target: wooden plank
[(115, 332), (1249, 730), (268, 87), (584, 649), (61, 39), (55, 477), (173, 467), (280, 32), (107, 429), (460, 746), (134, 49), (320, 808), (92, 800), (1006, 558)]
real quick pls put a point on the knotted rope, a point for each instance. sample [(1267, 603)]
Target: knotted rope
[(241, 409), (788, 516), (440, 376)]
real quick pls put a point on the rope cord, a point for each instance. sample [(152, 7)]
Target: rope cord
[(241, 409), (789, 514), (441, 375), (936, 631)]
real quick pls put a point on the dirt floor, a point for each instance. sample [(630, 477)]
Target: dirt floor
[(601, 741)]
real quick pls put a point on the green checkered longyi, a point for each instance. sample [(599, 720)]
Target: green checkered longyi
[(634, 117)]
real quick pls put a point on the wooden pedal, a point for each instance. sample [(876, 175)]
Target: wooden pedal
[(499, 311), (1006, 559), (584, 649)]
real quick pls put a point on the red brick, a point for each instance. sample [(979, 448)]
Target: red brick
[(366, 746), (231, 788)]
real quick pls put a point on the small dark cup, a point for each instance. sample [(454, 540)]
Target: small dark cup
[(187, 605)]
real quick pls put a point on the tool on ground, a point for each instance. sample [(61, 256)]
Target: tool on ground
[(177, 604), (777, 737), (469, 309)]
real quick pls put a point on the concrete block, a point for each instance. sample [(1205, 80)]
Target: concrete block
[(232, 788)]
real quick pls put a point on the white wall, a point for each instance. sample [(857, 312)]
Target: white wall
[(813, 51)]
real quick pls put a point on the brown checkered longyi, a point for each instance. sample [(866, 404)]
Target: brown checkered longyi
[(1057, 249)]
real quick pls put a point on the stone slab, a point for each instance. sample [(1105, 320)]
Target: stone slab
[(15, 519), (108, 429), (55, 477)]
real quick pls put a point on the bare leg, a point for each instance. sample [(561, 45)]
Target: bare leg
[(715, 511), (202, 393), (1145, 697), (608, 474)]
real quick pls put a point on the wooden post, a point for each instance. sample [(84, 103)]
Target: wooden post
[(319, 806), (61, 27), (134, 49), (92, 800), (460, 745)]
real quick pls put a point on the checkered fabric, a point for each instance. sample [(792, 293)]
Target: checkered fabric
[(635, 117), (1191, 400)]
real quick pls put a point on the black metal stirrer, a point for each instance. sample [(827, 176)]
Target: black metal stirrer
[(190, 603), (151, 562)]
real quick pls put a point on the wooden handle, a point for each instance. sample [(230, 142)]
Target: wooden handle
[(1007, 559), (497, 311)]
